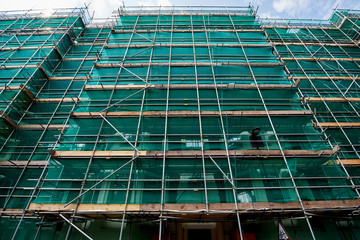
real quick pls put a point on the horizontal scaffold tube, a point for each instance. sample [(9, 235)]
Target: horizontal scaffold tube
[(191, 113), (25, 48), (188, 86), (185, 30), (39, 66), (319, 59), (315, 44), (299, 27), (186, 64), (18, 66), (324, 77), (195, 153), (32, 32)]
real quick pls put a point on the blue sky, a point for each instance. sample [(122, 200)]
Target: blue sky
[(318, 9)]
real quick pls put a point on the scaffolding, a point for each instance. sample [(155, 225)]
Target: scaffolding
[(175, 119)]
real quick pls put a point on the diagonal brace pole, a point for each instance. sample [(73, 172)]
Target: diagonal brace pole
[(101, 115), (354, 79), (96, 184), (121, 65), (74, 226), (231, 182), (133, 94)]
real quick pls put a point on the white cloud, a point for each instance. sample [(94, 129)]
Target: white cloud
[(150, 3), (291, 7), (318, 9), (267, 8), (104, 8)]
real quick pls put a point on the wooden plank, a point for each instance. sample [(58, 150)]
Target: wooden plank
[(349, 162), (333, 99), (51, 206), (188, 86), (101, 208), (7, 119), (252, 207), (335, 125), (9, 163), (84, 207), (10, 87), (186, 64), (195, 153), (44, 100), (75, 154), (319, 59), (27, 92), (42, 69), (191, 113), (188, 45), (57, 50), (80, 59), (336, 204), (68, 78), (39, 127)]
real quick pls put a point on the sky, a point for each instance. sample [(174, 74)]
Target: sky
[(316, 9)]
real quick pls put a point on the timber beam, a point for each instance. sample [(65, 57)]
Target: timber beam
[(189, 86), (98, 210), (337, 125), (186, 64), (192, 113), (195, 153)]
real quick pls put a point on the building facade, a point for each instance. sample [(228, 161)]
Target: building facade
[(179, 123)]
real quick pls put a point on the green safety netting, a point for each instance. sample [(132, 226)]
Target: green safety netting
[(347, 21), (184, 133), (156, 100), (184, 21), (343, 111), (301, 34), (186, 75), (255, 181), (186, 54), (323, 68), (8, 178), (318, 51), (265, 180)]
